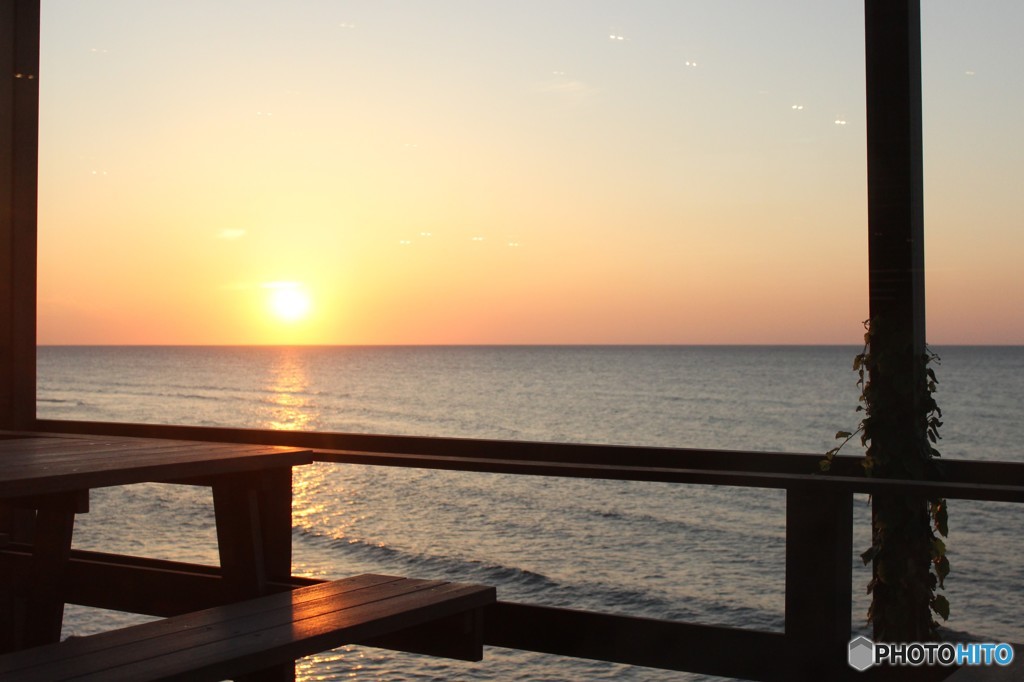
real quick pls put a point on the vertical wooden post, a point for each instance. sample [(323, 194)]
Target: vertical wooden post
[(895, 173), (275, 504), (819, 537), (19, 126), (254, 526), (32, 608), (50, 554), (239, 536), (900, 606)]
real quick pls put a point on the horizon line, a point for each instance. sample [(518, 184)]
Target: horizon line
[(501, 345)]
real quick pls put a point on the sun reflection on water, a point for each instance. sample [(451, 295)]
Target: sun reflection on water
[(292, 406)]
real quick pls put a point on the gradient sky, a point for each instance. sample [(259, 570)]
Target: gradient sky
[(507, 172)]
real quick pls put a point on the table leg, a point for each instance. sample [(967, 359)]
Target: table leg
[(10, 619), (254, 531), (35, 608), (275, 504), (51, 551), (240, 536)]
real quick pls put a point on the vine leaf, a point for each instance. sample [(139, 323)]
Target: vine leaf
[(942, 570), (941, 516), (893, 452)]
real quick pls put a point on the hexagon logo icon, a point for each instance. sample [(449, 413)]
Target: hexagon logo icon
[(862, 653)]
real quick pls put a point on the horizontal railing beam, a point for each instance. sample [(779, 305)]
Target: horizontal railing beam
[(706, 649), (467, 448), (840, 485), (993, 481)]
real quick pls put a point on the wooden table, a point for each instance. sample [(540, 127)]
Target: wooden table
[(51, 475)]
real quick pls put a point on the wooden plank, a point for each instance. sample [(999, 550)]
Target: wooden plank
[(79, 447), (75, 450), (251, 635), (1011, 492), (998, 481), (458, 448), (143, 585), (29, 458), (32, 470), (459, 636), (75, 500), (194, 624), (86, 442), (310, 635), (711, 650)]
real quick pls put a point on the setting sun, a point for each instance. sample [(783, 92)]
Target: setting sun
[(288, 301)]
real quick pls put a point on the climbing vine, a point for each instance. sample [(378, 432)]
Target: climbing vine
[(908, 554)]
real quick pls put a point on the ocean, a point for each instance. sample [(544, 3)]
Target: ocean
[(704, 554)]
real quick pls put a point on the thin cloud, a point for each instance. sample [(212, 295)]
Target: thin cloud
[(569, 87)]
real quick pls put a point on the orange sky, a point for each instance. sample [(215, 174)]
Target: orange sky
[(459, 172)]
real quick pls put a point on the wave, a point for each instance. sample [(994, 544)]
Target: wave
[(516, 583), (430, 564)]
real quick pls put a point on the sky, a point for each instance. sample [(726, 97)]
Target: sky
[(482, 172)]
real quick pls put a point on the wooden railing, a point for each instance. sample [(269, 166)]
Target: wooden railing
[(819, 545)]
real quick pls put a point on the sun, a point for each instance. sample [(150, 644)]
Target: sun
[(288, 301)]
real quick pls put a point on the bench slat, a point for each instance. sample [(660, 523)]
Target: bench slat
[(132, 636), (251, 635), (260, 650)]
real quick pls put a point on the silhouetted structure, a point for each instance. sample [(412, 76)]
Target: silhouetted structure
[(818, 516)]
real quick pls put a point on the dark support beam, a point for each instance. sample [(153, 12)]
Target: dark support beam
[(275, 505), (19, 133), (254, 526), (895, 170), (33, 606), (819, 534), (240, 538), (713, 650), (153, 587), (52, 547), (901, 527)]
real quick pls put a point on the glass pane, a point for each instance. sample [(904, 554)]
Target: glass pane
[(974, 154), (513, 220), (452, 173)]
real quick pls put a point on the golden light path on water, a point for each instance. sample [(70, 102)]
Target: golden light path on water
[(291, 408)]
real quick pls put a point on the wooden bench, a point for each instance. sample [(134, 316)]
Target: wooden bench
[(262, 634)]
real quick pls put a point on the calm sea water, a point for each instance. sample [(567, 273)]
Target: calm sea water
[(697, 553)]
